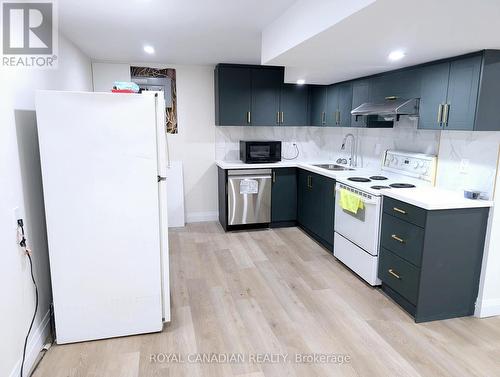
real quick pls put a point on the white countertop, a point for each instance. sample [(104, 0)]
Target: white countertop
[(241, 165), (433, 198), (426, 197)]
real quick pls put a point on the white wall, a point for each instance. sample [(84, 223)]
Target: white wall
[(21, 186), (194, 144)]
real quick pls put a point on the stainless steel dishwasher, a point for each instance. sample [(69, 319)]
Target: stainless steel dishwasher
[(249, 196)]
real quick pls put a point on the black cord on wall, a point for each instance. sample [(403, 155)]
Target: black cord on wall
[(22, 243), (296, 155)]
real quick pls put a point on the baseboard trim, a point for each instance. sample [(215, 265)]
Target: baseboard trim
[(196, 217), (35, 345), (487, 308)]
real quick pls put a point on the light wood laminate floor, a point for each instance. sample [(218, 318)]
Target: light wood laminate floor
[(277, 291)]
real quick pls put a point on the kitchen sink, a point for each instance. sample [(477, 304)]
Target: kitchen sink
[(333, 167)]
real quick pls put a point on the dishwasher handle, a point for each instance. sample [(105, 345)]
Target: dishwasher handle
[(241, 177)]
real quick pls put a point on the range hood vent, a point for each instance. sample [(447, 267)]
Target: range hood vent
[(391, 107)]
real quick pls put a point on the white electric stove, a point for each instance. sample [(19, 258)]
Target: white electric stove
[(357, 236)]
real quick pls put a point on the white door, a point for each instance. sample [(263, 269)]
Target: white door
[(99, 170)]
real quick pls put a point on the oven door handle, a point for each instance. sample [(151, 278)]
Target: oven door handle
[(365, 201)]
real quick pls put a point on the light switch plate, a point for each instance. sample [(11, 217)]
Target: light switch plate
[(464, 166)]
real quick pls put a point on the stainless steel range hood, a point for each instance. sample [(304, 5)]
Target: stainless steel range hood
[(391, 107)]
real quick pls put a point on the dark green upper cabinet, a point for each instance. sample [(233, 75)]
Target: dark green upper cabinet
[(233, 95), (434, 89), (266, 88), (284, 195), (339, 105), (450, 91), (459, 93), (400, 84), (332, 105), (317, 105), (360, 95), (345, 104), (487, 118), (463, 87), (293, 105)]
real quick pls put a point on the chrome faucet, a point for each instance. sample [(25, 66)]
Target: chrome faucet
[(353, 161)]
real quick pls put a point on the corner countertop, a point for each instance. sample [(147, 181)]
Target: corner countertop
[(433, 198), (429, 198), (309, 165)]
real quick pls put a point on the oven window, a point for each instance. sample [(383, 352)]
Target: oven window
[(258, 152)]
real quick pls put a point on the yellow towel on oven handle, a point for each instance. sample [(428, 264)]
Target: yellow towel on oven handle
[(350, 202)]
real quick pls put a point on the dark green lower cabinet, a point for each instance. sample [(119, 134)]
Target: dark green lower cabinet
[(430, 261), (284, 197), (315, 207)]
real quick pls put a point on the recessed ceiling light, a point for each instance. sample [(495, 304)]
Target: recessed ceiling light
[(149, 49), (396, 55), (301, 81)]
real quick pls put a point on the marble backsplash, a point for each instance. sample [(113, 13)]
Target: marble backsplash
[(317, 143), (480, 149), (480, 153)]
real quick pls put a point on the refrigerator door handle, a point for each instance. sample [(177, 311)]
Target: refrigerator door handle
[(160, 178)]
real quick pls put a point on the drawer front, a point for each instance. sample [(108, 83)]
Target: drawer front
[(405, 211), (402, 238), (399, 275)]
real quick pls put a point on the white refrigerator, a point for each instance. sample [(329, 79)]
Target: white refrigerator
[(103, 159)]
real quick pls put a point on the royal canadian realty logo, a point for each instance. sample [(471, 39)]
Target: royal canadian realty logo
[(29, 34)]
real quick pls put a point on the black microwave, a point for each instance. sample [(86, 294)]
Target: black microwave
[(253, 152)]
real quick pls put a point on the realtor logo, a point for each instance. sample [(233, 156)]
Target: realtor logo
[(28, 34)]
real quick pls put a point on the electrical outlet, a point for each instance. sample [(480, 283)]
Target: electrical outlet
[(464, 166)]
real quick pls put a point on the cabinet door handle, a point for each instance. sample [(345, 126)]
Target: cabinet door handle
[(446, 112), (249, 117), (282, 117), (309, 182), (399, 210), (338, 117), (399, 239), (440, 114), (277, 117), (274, 176), (323, 117), (393, 273)]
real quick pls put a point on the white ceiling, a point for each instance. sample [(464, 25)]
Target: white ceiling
[(359, 44), (182, 31), (322, 41)]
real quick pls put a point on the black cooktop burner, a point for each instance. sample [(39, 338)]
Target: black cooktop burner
[(380, 187), (402, 185), (378, 178), (358, 179)]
